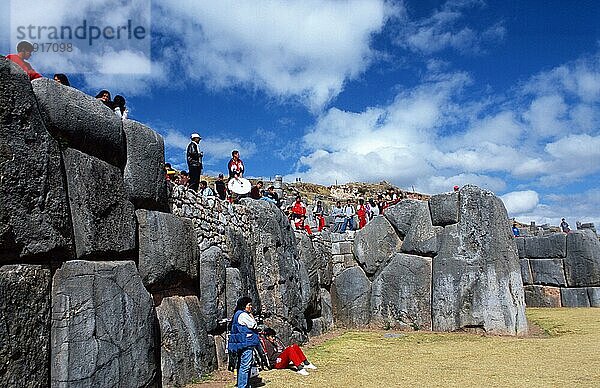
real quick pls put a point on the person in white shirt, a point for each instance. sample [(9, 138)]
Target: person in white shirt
[(349, 213), (205, 191)]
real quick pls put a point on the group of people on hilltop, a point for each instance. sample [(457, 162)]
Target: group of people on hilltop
[(564, 227), (24, 52)]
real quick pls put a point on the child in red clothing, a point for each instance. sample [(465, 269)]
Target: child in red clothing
[(361, 212), (281, 357)]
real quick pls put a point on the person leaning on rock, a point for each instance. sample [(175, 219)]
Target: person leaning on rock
[(24, 50), (194, 161)]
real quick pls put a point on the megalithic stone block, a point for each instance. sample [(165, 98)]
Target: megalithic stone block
[(103, 218), (168, 251), (33, 203), (582, 264), (103, 331), (375, 244), (24, 325), (444, 209), (82, 121), (546, 247), (187, 351), (144, 176), (212, 281), (351, 297), (574, 297), (548, 272), (542, 296), (401, 293), (476, 274), (412, 220)]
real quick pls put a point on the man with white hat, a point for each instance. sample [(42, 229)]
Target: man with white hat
[(194, 161)]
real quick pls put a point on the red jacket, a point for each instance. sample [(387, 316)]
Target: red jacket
[(299, 209), (25, 66)]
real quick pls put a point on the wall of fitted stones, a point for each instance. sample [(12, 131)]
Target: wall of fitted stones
[(561, 269)]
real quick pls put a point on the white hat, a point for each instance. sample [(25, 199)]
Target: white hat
[(195, 135)]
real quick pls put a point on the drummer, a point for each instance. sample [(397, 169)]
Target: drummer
[(235, 166)]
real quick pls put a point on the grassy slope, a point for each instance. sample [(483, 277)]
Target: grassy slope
[(568, 356)]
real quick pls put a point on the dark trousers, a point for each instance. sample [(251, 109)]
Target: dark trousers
[(195, 172)]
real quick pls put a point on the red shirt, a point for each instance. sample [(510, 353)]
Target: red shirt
[(299, 209), (25, 66)]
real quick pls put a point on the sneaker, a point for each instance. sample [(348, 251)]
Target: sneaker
[(302, 371), (310, 366)]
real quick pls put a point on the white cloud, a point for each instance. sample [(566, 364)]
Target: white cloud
[(298, 49), (519, 202)]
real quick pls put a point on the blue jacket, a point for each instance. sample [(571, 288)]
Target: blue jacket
[(241, 337)]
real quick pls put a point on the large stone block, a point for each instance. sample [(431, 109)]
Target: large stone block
[(33, 203), (401, 293), (102, 327), (233, 289), (212, 281), (546, 247), (375, 244), (326, 309), (542, 296), (311, 273), (144, 174), (520, 241), (526, 272), (103, 218), (476, 274), (351, 297), (582, 265), (82, 121), (187, 351), (412, 220), (574, 297), (548, 272), (168, 251), (24, 325), (444, 209), (594, 296)]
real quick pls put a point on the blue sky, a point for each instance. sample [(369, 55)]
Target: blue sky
[(423, 94)]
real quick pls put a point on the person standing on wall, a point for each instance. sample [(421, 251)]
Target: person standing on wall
[(194, 161), (235, 165)]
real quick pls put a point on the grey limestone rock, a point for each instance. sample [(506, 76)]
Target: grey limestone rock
[(542, 296), (103, 218), (375, 244), (546, 247), (526, 272), (520, 241), (476, 275), (326, 309), (594, 296), (351, 297), (412, 220), (311, 273), (444, 209), (82, 121), (582, 264), (144, 175), (548, 272), (33, 207), (233, 289), (212, 280), (574, 297), (102, 327), (187, 351), (24, 325), (401, 293), (168, 251)]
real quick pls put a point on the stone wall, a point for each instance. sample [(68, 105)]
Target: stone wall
[(110, 277), (561, 269)]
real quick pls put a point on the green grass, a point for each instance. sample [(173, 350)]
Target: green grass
[(568, 355)]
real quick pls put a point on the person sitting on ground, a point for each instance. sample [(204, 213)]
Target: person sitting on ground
[(104, 96), (235, 165), (337, 212), (256, 190), (120, 109), (243, 338), (273, 195), (265, 197), (282, 357), (319, 215), (348, 217), (564, 226), (62, 79), (221, 187), (298, 215), (24, 50), (205, 191)]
